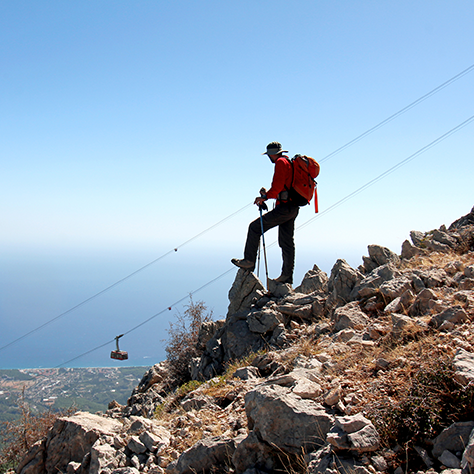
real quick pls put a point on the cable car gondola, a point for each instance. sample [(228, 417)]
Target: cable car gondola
[(118, 354)]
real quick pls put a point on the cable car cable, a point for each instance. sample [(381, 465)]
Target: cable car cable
[(327, 157), (390, 170), (168, 308), (70, 310), (329, 209), (400, 112)]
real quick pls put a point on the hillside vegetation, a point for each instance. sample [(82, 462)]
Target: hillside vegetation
[(364, 370)]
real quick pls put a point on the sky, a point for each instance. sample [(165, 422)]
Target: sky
[(129, 129)]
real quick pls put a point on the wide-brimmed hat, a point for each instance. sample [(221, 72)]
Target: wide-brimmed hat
[(274, 148)]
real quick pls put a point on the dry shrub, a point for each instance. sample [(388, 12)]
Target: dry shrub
[(422, 397), (182, 345), (433, 401), (17, 437)]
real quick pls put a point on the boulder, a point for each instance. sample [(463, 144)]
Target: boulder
[(410, 251), (204, 455), (294, 311), (453, 314), (424, 302), (264, 321), (156, 374), (207, 331), (464, 366), (378, 256), (444, 238), (349, 316), (401, 323), (341, 283), (238, 340), (354, 433), (371, 283), (103, 456), (135, 445), (394, 288), (454, 438), (252, 453), (467, 461), (469, 271), (449, 460), (70, 440), (286, 421), (244, 291), (417, 237), (324, 461), (246, 373), (434, 278), (314, 281), (464, 221)]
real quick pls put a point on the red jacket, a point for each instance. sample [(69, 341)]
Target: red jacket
[(281, 177)]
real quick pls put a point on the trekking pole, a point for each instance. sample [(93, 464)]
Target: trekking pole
[(258, 260), (262, 207)]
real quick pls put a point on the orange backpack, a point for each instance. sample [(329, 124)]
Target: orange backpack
[(303, 184)]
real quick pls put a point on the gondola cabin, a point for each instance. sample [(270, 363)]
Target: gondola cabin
[(118, 354)]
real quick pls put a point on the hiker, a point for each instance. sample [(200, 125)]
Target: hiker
[(283, 216)]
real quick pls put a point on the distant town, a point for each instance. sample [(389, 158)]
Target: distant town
[(88, 389)]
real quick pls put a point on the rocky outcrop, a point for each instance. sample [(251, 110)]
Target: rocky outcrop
[(322, 360), (70, 441)]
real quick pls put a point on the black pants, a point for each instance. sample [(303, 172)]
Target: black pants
[(283, 216)]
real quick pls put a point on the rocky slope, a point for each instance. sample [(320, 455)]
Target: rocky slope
[(365, 370)]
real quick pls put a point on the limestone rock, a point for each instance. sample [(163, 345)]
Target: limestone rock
[(410, 251), (401, 323), (204, 455), (466, 220), (103, 456), (449, 460), (156, 374), (453, 314), (314, 281), (254, 454), (264, 321), (395, 288), (454, 438), (354, 433), (378, 256), (342, 281), (467, 461), (464, 366), (294, 311), (238, 340), (243, 291), (282, 419), (349, 316), (70, 439), (423, 303), (369, 285)]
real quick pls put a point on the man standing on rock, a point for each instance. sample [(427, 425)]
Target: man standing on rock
[(283, 216)]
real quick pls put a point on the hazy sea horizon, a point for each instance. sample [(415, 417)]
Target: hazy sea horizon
[(48, 303)]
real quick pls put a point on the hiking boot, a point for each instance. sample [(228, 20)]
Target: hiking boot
[(243, 263), (284, 279)]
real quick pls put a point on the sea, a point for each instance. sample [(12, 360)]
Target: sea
[(65, 308)]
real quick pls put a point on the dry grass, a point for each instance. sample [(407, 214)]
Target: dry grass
[(409, 401), (437, 260)]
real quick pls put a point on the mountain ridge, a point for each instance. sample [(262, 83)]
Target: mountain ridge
[(364, 370)]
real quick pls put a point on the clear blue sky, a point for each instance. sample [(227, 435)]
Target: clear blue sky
[(129, 127)]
